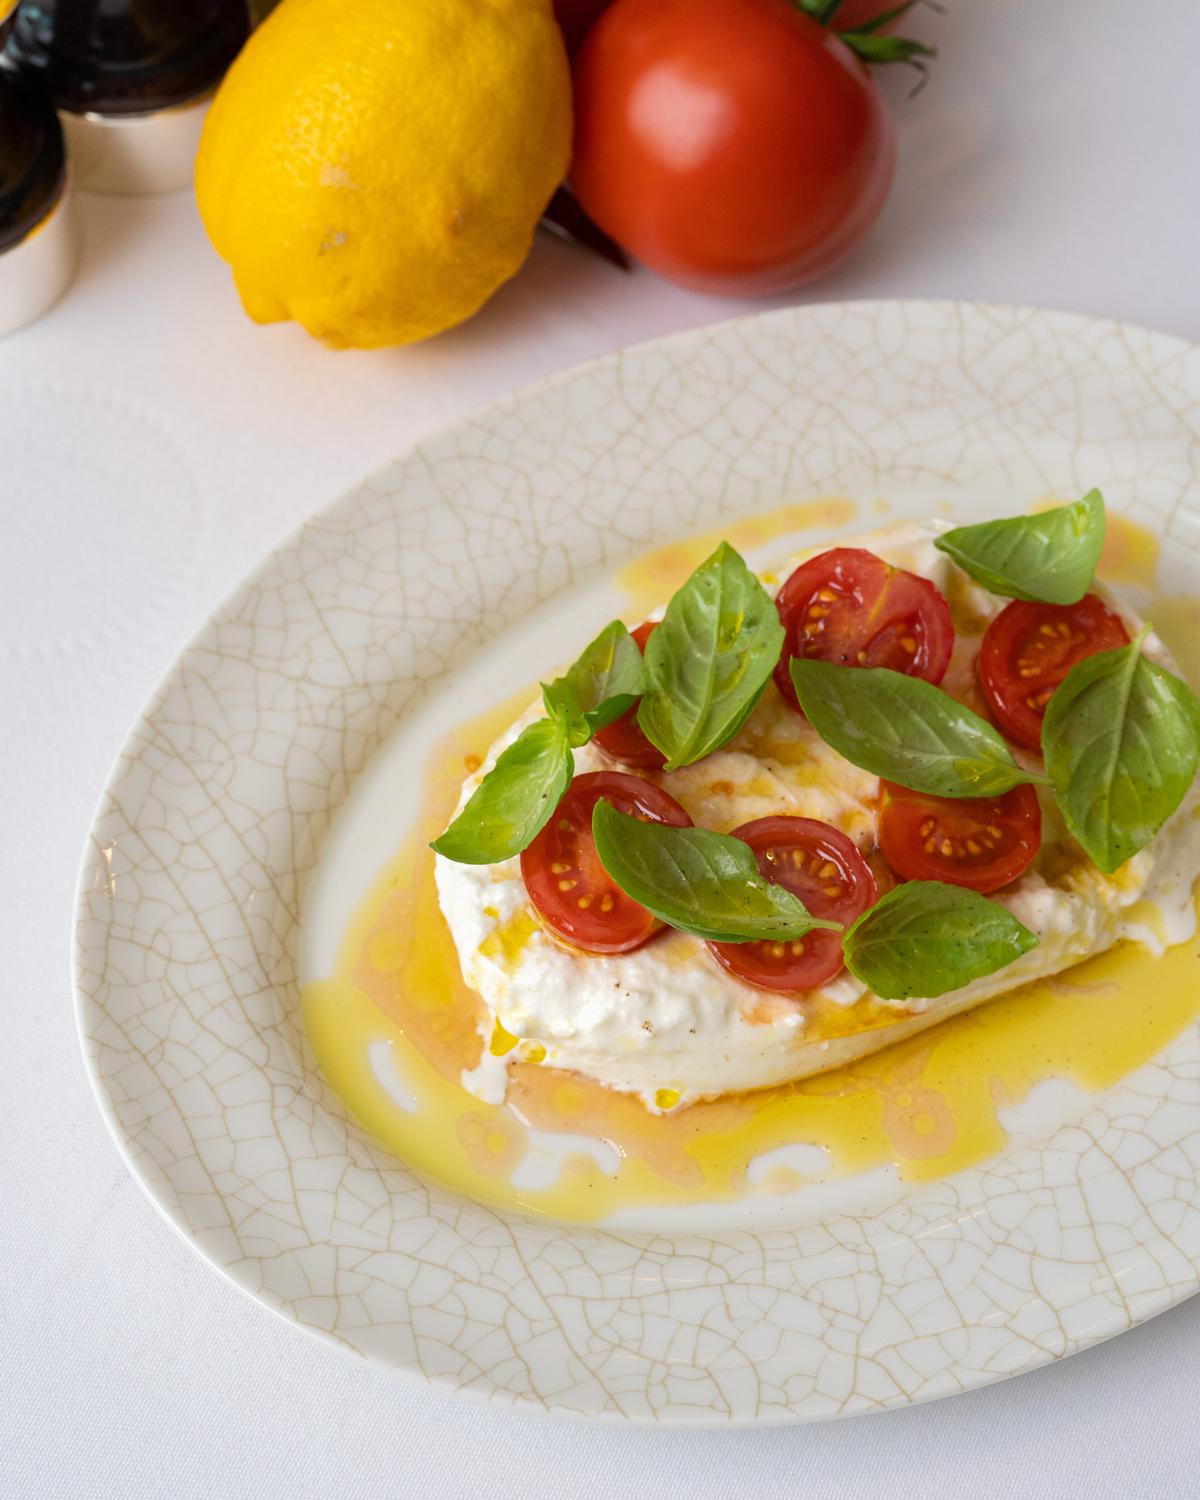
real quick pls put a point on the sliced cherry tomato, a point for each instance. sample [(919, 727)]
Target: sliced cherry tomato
[(569, 887), (980, 842), (849, 606), (1027, 651), (623, 738), (824, 868)]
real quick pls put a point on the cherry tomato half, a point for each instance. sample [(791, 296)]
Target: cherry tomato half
[(824, 868), (849, 606), (570, 889), (1028, 649), (623, 738), (736, 146), (983, 843)]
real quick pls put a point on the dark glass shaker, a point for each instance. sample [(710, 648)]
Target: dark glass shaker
[(38, 239), (131, 80)]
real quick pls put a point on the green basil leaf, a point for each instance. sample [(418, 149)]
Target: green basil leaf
[(906, 730), (709, 659), (924, 938), (1121, 739), (1050, 557), (607, 679), (701, 882), (513, 802)]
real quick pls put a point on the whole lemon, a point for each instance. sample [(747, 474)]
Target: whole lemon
[(375, 170)]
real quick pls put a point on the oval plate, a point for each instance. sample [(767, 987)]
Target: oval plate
[(219, 807)]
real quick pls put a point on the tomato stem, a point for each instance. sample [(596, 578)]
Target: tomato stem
[(822, 11), (886, 17), (826, 10), (870, 48), (868, 45)]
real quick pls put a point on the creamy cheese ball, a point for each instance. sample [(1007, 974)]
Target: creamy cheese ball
[(666, 1022)]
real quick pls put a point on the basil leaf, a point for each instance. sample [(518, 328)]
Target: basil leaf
[(513, 802), (924, 938), (607, 679), (709, 659), (1121, 739), (906, 730), (1049, 557), (701, 882)]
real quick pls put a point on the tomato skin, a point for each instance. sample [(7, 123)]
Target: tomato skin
[(1029, 648), (1004, 834), (564, 851), (624, 738), (777, 841), (868, 614), (577, 17), (852, 14), (735, 146)]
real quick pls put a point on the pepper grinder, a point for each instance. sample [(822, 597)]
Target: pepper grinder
[(38, 236), (132, 80)]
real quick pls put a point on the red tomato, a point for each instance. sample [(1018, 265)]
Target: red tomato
[(576, 18), (1027, 651), (569, 887), (733, 145), (980, 842), (824, 868), (623, 738), (849, 606), (851, 14)]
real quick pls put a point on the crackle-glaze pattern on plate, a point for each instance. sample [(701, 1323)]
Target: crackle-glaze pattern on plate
[(208, 836)]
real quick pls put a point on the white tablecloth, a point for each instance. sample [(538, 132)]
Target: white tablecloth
[(153, 444)]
